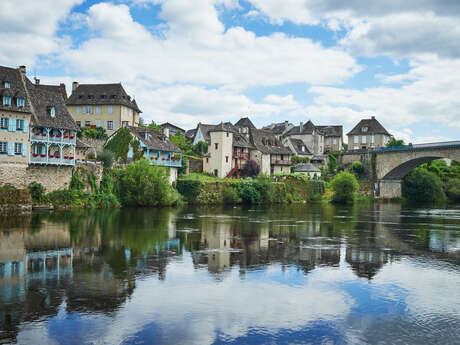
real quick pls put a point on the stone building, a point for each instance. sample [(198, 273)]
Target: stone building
[(37, 132), (311, 135), (200, 133), (308, 169), (298, 148), (102, 105), (368, 133), (173, 129), (333, 138), (279, 129), (157, 148)]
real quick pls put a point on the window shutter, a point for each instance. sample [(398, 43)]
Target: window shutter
[(98, 123), (10, 148), (24, 149), (13, 125), (25, 127), (105, 124), (114, 125)]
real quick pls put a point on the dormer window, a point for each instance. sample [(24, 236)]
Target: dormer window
[(364, 129), (6, 100), (102, 96), (20, 102), (113, 96), (7, 85), (52, 111)]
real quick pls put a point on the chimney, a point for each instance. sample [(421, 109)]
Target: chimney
[(301, 127), (37, 81), (22, 69), (166, 132), (74, 86), (372, 117), (63, 91)]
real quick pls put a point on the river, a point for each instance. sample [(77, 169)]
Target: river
[(317, 274)]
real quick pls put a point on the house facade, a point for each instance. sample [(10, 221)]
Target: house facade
[(173, 129), (312, 136), (368, 133), (157, 148), (333, 138), (102, 105)]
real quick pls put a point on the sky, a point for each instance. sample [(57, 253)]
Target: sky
[(329, 61)]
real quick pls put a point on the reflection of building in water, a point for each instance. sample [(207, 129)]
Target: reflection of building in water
[(366, 262), (217, 238), (310, 257)]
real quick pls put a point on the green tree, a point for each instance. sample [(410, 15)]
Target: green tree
[(299, 159), (107, 158), (119, 144), (345, 187), (421, 185), (181, 142), (358, 169), (200, 148), (93, 133), (332, 163), (395, 142)]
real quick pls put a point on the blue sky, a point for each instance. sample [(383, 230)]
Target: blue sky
[(187, 61)]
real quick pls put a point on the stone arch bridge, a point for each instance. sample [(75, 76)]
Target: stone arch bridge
[(389, 165)]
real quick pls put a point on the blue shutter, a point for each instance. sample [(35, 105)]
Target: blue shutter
[(25, 128), (105, 124), (114, 125), (13, 125), (24, 149), (98, 123), (10, 148)]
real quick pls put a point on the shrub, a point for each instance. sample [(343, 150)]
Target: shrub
[(395, 142), (250, 169), (93, 133), (37, 193), (107, 158), (357, 168), (264, 185), (299, 159), (189, 189), (452, 188), (230, 196), (250, 194), (421, 185), (76, 182), (345, 186)]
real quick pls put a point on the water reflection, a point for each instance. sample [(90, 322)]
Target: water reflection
[(230, 275)]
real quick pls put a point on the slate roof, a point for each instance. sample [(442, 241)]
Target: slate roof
[(224, 127), (82, 145), (331, 131), (307, 128), (239, 140), (266, 142), (171, 125), (16, 90), (155, 140), (42, 98), (102, 94), (278, 128), (205, 130), (297, 144), (374, 127), (190, 134), (306, 167), (245, 122)]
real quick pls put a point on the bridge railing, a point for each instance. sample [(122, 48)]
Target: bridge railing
[(418, 146)]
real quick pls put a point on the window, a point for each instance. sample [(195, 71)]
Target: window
[(20, 102), (282, 157), (19, 125), (124, 123), (227, 134), (18, 148), (6, 100), (7, 85), (216, 145), (102, 96), (3, 148), (335, 141), (356, 139), (372, 138), (79, 124), (90, 96), (110, 109), (78, 109), (110, 125), (364, 129), (98, 109), (355, 147), (53, 111), (226, 159), (303, 148), (207, 160), (87, 109), (364, 139), (216, 172), (4, 123), (98, 123), (87, 123)]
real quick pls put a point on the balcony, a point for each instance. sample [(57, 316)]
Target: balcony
[(51, 160), (239, 155), (166, 162), (281, 162), (53, 138)]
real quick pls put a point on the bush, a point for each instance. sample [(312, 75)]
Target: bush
[(357, 168), (230, 196), (37, 193), (107, 158), (452, 188), (299, 159), (250, 169), (264, 185), (93, 133), (250, 194), (76, 182), (189, 189), (421, 185), (345, 187), (143, 184)]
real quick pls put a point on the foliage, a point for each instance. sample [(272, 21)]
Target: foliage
[(250, 169), (345, 147), (332, 163), (119, 144), (37, 193), (230, 195), (183, 169), (143, 184), (345, 187), (452, 189), (421, 185), (266, 188), (250, 194), (107, 158), (395, 142), (76, 182), (93, 133), (299, 159), (189, 189), (152, 125), (187, 147), (357, 168), (201, 148), (138, 153)]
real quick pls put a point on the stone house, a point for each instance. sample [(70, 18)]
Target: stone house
[(84, 151), (200, 133), (173, 129), (309, 134), (307, 169), (333, 138), (368, 133), (279, 129), (298, 148), (157, 148), (103, 105)]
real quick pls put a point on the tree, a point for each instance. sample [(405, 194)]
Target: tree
[(107, 158), (93, 133), (395, 142), (152, 125), (421, 185), (250, 169), (299, 159), (357, 168), (181, 142), (345, 187), (119, 144), (332, 163), (200, 148)]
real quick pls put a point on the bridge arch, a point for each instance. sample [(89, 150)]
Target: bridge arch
[(399, 172)]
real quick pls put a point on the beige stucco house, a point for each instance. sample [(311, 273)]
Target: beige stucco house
[(102, 105), (333, 138), (368, 133)]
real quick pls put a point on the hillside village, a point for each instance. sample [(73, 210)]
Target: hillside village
[(39, 138)]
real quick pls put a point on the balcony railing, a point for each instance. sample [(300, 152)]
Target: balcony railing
[(59, 138), (46, 160), (241, 155), (166, 162)]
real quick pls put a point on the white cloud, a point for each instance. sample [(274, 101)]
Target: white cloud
[(28, 29)]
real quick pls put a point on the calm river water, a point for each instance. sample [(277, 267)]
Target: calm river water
[(368, 274)]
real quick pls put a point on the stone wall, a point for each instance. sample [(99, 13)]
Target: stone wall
[(98, 144), (363, 156), (195, 165)]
